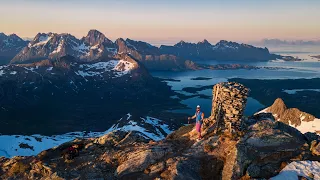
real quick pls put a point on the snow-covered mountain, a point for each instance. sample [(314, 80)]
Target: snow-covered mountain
[(21, 145), (9, 46), (94, 46), (302, 121)]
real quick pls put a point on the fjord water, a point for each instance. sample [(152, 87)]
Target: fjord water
[(308, 68)]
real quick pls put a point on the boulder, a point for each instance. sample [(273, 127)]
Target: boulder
[(263, 148)]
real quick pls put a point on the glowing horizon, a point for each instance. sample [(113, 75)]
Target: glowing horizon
[(165, 21)]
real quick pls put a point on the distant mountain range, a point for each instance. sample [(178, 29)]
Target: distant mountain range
[(96, 47), (279, 42)]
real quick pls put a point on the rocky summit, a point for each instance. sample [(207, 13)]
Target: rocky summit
[(262, 148)]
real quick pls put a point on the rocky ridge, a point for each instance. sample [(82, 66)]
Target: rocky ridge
[(259, 151)]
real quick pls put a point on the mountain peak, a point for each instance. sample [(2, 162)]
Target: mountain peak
[(278, 106), (181, 42), (15, 37), (205, 42), (223, 42), (96, 37), (94, 32), (2, 34)]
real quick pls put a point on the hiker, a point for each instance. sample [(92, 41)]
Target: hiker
[(199, 118)]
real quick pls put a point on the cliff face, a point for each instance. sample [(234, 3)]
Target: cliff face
[(260, 149)]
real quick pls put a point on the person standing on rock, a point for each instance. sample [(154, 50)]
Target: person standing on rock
[(199, 118)]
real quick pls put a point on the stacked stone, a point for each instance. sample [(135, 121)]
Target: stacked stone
[(228, 104)]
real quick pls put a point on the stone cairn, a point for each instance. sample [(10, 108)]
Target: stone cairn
[(228, 104)]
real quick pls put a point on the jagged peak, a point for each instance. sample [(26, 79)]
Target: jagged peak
[(16, 37), (205, 42), (278, 105), (182, 43), (224, 42), (96, 37), (94, 32), (120, 39)]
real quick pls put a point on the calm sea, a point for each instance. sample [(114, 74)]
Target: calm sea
[(308, 68)]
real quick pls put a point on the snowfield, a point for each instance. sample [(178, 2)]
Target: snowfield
[(82, 48), (119, 67), (307, 169), (20, 145), (42, 41), (311, 126)]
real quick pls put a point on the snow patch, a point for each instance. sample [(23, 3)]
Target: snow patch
[(2, 72), (58, 49), (87, 73), (123, 67), (13, 72), (42, 41), (9, 144), (120, 67), (82, 48), (311, 126), (299, 168)]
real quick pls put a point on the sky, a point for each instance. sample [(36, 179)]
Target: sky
[(165, 21)]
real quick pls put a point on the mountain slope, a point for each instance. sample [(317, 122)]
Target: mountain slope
[(19, 145), (10, 46), (65, 95)]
